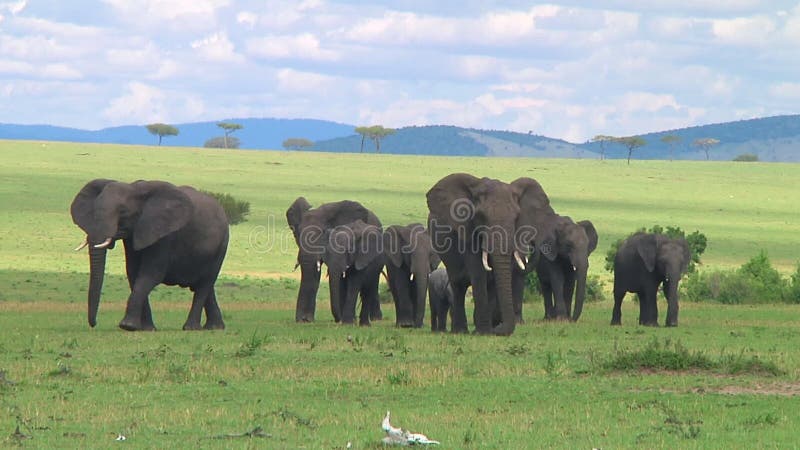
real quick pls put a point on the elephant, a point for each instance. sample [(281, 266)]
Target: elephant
[(311, 229), (354, 259), (440, 296), (642, 263), (483, 225), (566, 275), (409, 260), (173, 235)]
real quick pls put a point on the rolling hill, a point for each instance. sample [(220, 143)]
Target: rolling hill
[(774, 138)]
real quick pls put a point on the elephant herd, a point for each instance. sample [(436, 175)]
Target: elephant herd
[(488, 234)]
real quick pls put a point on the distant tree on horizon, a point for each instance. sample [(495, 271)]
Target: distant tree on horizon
[(297, 143), (705, 144), (228, 128), (161, 130), (671, 140), (602, 139), (631, 143), (376, 133), (222, 142)]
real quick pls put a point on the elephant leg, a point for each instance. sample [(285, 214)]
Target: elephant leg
[(648, 310), (369, 297), (616, 314), (402, 299), (459, 322), (672, 305), (196, 310), (147, 316), (213, 313), (419, 287), (558, 299), (432, 300), (335, 288), (135, 309), (547, 294)]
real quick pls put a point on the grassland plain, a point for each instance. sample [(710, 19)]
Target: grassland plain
[(63, 385)]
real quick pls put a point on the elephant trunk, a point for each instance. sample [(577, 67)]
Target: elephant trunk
[(421, 282), (671, 292), (502, 273), (335, 282), (97, 268), (580, 291)]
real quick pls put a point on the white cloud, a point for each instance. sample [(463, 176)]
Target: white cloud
[(295, 81), (143, 103), (304, 46), (174, 14), (744, 30), (217, 48), (790, 90)]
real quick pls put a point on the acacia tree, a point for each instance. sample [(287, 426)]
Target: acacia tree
[(378, 132), (228, 128), (631, 143), (297, 143), (602, 139), (364, 132), (671, 140), (161, 130), (705, 144), (222, 142)]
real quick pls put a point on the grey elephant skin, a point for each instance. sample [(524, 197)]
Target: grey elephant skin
[(172, 235), (566, 275), (482, 225), (644, 262), (440, 296), (312, 229), (409, 260)]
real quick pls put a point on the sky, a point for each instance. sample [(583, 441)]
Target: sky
[(566, 69)]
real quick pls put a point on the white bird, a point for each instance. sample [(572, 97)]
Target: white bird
[(399, 436)]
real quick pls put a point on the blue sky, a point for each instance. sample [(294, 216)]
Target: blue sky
[(568, 69)]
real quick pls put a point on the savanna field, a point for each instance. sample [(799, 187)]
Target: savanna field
[(266, 382)]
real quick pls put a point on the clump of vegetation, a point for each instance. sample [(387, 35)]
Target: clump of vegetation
[(236, 210), (697, 244), (674, 356), (223, 142), (756, 281), (594, 288), (746, 157)]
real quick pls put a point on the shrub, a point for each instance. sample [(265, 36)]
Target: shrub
[(697, 244), (746, 157), (236, 210), (756, 281)]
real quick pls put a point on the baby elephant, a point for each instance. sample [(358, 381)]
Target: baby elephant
[(440, 295), (642, 263)]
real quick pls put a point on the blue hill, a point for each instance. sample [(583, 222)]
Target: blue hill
[(255, 134)]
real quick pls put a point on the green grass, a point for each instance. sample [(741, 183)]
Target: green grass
[(734, 379)]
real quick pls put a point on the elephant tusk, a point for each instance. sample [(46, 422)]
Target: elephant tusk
[(82, 246), (574, 269), (520, 262), (319, 266), (104, 244), (411, 278), (485, 260)]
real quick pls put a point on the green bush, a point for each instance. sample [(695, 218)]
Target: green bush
[(697, 244), (756, 281), (746, 157), (236, 210)]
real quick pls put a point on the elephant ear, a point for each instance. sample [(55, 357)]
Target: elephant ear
[(591, 233), (369, 243), (646, 247), (295, 214), (536, 215), (82, 208), (451, 204), (166, 209), (392, 245)]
